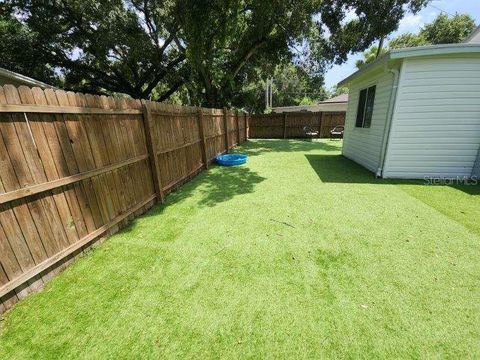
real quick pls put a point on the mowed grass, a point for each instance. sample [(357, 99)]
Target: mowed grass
[(299, 254)]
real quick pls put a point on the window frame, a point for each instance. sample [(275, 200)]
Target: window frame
[(366, 105)]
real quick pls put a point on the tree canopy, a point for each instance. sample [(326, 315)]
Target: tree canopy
[(292, 85), (443, 30), (205, 52), (369, 56)]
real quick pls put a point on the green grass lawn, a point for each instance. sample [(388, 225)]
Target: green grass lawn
[(300, 254)]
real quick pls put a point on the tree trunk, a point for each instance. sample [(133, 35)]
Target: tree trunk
[(211, 97), (380, 46)]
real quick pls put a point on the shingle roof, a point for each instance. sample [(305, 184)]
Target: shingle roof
[(474, 37), (337, 99)]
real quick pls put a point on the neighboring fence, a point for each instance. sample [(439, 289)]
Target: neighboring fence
[(290, 125), (77, 167)]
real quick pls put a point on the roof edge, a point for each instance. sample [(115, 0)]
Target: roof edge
[(24, 79), (419, 51), (431, 50), (377, 62)]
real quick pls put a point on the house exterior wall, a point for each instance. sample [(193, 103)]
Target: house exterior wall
[(476, 167), (436, 122), (364, 145)]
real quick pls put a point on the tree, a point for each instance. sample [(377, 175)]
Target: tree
[(369, 56), (336, 91), (373, 21), (292, 86), (408, 40), (103, 46), (15, 54), (227, 40), (443, 30), (449, 30), (211, 49)]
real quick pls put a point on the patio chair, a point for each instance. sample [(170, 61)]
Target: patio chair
[(337, 132), (310, 133)]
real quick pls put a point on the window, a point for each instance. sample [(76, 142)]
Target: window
[(365, 107)]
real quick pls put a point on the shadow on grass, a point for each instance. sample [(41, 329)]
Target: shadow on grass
[(469, 189), (222, 183), (338, 169), (217, 185)]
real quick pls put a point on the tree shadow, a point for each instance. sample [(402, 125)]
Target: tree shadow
[(339, 169), (221, 184), (257, 147), (473, 190), (216, 185)]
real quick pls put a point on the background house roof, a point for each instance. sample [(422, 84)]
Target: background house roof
[(335, 104), (474, 37), (337, 99)]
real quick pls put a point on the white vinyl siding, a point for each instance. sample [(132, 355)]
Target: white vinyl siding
[(436, 123), (364, 145), (476, 167)]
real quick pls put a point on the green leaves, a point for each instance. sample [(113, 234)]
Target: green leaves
[(207, 52), (448, 30), (443, 30)]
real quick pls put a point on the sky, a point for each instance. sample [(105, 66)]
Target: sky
[(410, 23)]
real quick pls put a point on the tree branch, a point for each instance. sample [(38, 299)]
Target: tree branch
[(246, 56), (161, 74), (172, 90)]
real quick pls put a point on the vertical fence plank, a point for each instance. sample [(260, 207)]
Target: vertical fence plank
[(238, 127), (284, 125), (225, 128), (152, 152), (320, 125), (201, 132)]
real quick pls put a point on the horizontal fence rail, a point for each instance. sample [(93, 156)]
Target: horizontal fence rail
[(75, 168), (290, 125)]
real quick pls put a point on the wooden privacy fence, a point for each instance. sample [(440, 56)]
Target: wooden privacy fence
[(290, 125), (77, 167)]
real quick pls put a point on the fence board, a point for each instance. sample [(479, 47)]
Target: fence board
[(290, 125), (76, 167)]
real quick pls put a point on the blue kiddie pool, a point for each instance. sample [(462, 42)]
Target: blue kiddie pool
[(231, 159)]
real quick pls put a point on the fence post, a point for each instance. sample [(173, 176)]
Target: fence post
[(238, 128), (247, 124), (284, 125), (225, 125), (202, 137), (152, 151)]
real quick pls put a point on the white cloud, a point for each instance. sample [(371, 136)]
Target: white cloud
[(411, 23)]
